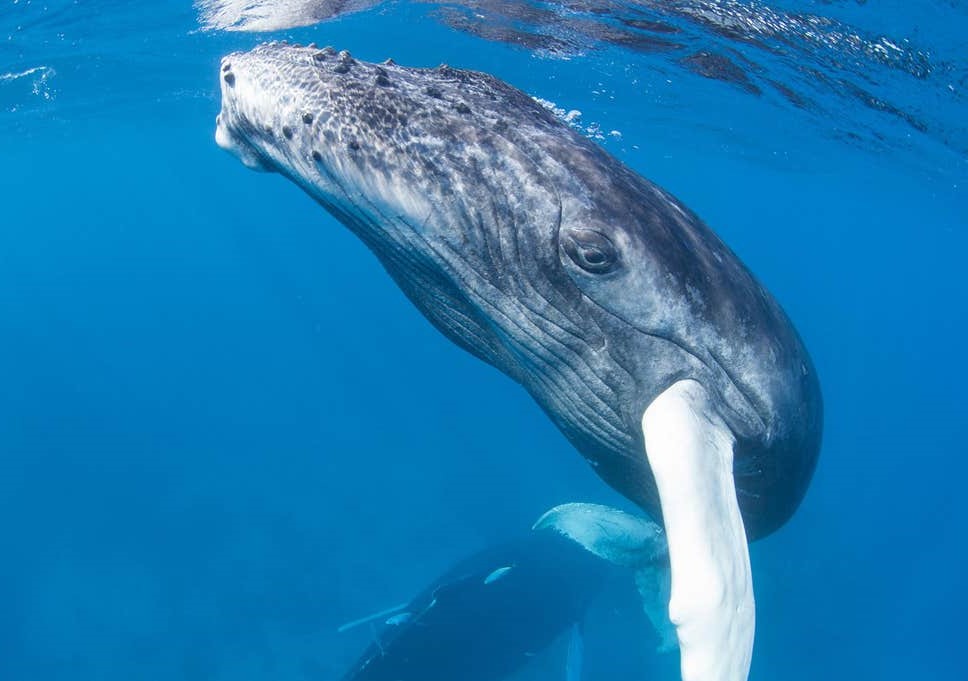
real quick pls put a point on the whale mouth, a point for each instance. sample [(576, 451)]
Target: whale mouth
[(238, 147)]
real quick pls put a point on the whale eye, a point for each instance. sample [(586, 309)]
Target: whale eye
[(592, 251)]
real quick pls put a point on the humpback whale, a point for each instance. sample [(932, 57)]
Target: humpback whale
[(642, 336), (489, 614), (486, 616)]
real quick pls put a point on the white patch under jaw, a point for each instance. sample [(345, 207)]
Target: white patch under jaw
[(690, 451)]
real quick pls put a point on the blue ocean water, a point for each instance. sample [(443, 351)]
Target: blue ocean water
[(224, 431)]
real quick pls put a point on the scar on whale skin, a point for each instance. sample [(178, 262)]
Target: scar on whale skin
[(641, 335)]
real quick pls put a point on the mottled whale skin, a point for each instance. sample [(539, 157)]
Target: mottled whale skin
[(534, 249)]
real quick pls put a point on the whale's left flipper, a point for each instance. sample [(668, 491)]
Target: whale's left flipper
[(690, 451)]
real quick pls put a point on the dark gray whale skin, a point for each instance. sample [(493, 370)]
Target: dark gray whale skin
[(534, 249), (480, 621)]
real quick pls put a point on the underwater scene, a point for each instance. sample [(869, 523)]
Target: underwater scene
[(585, 340)]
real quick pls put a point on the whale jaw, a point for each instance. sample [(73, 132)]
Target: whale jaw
[(235, 146)]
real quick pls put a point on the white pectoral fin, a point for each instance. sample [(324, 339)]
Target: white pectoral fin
[(690, 451)]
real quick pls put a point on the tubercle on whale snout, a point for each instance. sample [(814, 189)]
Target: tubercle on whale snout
[(342, 62), (249, 111)]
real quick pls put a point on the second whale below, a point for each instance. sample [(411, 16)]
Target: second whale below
[(495, 611)]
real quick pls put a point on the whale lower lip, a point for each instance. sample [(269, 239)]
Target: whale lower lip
[(238, 148)]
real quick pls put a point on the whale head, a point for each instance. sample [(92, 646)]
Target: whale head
[(531, 247)]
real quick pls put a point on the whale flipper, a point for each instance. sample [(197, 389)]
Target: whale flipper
[(382, 614), (625, 540), (620, 538), (690, 451)]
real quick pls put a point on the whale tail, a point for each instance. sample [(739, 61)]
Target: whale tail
[(628, 541)]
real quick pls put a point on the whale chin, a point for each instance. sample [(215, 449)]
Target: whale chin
[(238, 148)]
